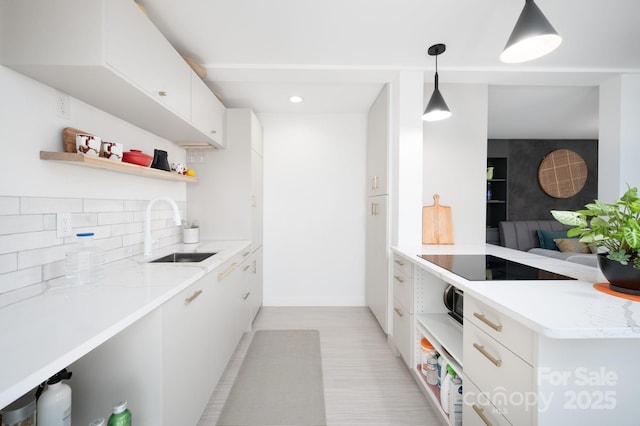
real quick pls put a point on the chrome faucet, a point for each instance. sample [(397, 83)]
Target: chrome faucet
[(147, 229)]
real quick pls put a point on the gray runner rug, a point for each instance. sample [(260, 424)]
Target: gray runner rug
[(279, 383)]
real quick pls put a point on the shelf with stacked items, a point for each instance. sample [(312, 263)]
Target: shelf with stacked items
[(79, 159)]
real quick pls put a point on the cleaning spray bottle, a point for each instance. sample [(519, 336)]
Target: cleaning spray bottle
[(54, 402), (445, 387)]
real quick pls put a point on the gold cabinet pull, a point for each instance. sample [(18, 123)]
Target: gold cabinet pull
[(483, 351), (244, 269), (399, 312), (246, 253), (374, 209), (162, 93), (246, 296), (223, 275), (213, 132), (374, 182), (399, 262), (192, 297), (484, 319), (398, 278), (480, 412)]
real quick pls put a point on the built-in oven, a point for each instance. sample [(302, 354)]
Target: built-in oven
[(453, 299)]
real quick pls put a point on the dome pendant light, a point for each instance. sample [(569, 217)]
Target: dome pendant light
[(437, 108), (532, 37)]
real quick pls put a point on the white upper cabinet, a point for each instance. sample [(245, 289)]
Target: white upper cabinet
[(207, 111), (136, 49), (107, 53)]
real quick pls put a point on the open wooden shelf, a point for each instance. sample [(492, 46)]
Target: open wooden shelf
[(79, 159)]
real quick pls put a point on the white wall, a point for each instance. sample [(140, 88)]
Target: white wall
[(33, 191), (314, 209), (29, 125), (455, 159), (619, 146)]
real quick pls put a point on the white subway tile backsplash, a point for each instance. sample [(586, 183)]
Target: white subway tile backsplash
[(83, 220), (127, 228), (103, 205), (28, 241), (30, 258), (21, 278), (35, 205), (8, 262), (9, 205), (49, 222), (16, 224), (31, 253), (112, 218)]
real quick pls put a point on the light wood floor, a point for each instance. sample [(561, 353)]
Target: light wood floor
[(364, 382)]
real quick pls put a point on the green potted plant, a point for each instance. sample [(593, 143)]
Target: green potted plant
[(615, 227)]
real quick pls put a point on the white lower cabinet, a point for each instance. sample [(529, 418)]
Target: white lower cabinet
[(255, 285), (191, 365), (402, 320), (499, 373), (402, 331), (167, 364), (477, 409)]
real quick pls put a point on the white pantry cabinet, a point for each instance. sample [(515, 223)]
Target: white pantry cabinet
[(376, 258), (109, 54), (227, 200), (378, 145), (377, 289)]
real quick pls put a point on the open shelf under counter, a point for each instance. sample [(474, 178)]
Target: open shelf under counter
[(446, 333), (80, 159)]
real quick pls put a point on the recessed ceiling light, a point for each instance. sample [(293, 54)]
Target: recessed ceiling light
[(296, 99)]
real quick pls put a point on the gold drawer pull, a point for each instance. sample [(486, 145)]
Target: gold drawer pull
[(484, 319), (162, 93), (398, 278), (223, 275), (399, 312), (480, 412), (193, 297), (399, 262), (246, 296), (245, 268), (482, 350), (246, 253)]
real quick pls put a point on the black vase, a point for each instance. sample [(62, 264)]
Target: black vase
[(622, 278), (160, 160)]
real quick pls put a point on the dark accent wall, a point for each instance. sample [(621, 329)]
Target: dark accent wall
[(526, 200)]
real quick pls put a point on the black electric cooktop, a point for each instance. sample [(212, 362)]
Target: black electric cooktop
[(480, 267)]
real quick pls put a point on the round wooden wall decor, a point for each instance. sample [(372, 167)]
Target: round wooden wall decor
[(562, 173)]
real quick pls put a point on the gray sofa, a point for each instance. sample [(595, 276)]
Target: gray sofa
[(522, 235)]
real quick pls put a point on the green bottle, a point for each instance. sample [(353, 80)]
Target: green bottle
[(121, 415)]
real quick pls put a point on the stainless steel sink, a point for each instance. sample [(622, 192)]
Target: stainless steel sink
[(182, 257)]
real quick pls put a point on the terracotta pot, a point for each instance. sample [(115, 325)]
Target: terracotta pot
[(622, 278), (135, 156)]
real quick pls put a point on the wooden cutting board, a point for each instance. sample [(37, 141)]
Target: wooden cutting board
[(437, 227)]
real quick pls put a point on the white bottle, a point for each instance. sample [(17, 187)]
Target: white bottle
[(444, 388), (54, 404), (84, 262), (455, 401)]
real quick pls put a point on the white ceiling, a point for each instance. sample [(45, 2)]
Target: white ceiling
[(337, 54)]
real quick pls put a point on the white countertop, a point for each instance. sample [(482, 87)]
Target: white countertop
[(563, 309), (48, 331)]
